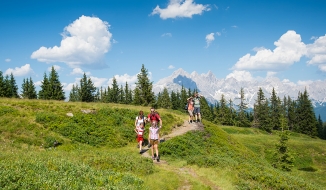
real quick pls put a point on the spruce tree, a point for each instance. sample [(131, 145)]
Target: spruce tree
[(74, 94), (44, 93), (24, 92), (243, 120), (13, 87), (275, 110), (7, 89), (32, 90), (320, 128), (128, 94), (114, 91), (144, 86), (56, 91), (205, 110), (262, 118), (282, 158), (87, 89), (2, 85), (166, 100), (174, 100), (305, 115), (183, 97)]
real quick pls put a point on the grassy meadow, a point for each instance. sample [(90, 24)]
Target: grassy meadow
[(43, 148)]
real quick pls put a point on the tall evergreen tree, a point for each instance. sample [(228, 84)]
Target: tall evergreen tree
[(183, 97), (243, 120), (28, 89), (31, 89), (291, 113), (56, 91), (320, 128), (74, 95), (174, 100), (87, 89), (305, 115), (2, 85), (166, 101), (7, 89), (122, 96), (275, 111), (205, 109), (128, 94), (44, 93), (114, 94), (144, 86), (262, 118), (12, 87)]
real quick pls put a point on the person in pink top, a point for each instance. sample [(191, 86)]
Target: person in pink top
[(154, 139), (190, 109)]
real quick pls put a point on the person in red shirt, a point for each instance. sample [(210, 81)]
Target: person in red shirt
[(153, 116)]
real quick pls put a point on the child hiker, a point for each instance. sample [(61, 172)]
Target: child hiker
[(140, 135), (154, 138)]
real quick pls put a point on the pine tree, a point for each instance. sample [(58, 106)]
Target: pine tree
[(128, 94), (291, 115), (320, 128), (275, 111), (205, 109), (144, 86), (137, 99), (243, 120), (13, 87), (32, 90), (2, 85), (262, 118), (25, 85), (56, 91), (282, 158), (305, 115), (44, 93), (166, 100), (223, 114), (74, 95), (174, 100), (183, 97), (114, 91), (87, 89), (7, 89)]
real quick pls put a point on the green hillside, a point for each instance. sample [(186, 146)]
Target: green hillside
[(43, 148)]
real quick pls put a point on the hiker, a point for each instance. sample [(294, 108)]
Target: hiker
[(190, 108), (154, 139), (154, 116), (140, 130), (197, 106), (140, 119)]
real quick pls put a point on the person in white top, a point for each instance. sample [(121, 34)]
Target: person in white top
[(154, 138), (140, 130), (140, 119)]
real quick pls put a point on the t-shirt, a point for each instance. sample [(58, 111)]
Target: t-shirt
[(154, 117), (140, 120), (197, 102), (154, 131), (190, 105), (140, 131)]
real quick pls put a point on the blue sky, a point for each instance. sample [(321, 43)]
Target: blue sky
[(113, 38)]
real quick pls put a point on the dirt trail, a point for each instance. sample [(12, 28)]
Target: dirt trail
[(184, 128)]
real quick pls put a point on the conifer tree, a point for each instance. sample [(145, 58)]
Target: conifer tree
[(31, 89), (137, 99), (122, 96), (305, 115), (128, 94), (320, 128), (114, 93), (166, 100), (262, 118), (243, 120), (2, 85), (223, 111), (291, 113), (74, 95), (44, 93), (56, 91), (275, 111), (6, 90), (144, 86), (159, 100), (174, 101), (13, 88), (205, 109), (324, 130), (87, 89), (282, 158), (183, 97), (24, 92)]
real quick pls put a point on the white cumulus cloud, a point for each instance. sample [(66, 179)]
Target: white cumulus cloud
[(180, 8), (20, 71), (79, 71), (317, 52), (122, 79), (209, 39), (84, 43), (240, 75), (98, 82), (171, 67), (289, 49)]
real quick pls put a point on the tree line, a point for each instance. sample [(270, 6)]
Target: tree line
[(268, 114)]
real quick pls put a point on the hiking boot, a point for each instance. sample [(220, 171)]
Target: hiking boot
[(153, 158), (158, 158), (141, 151)]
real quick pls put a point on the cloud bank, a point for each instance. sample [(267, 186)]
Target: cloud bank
[(180, 8), (20, 71), (289, 49), (84, 43)]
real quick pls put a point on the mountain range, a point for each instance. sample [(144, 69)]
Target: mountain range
[(212, 88)]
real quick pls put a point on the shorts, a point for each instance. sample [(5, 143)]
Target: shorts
[(197, 110), (191, 112), (153, 141), (140, 138)]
